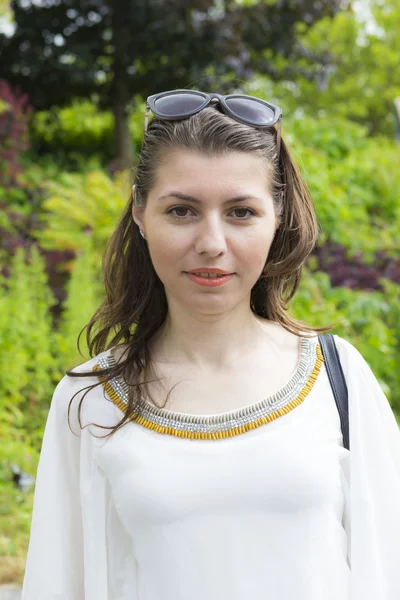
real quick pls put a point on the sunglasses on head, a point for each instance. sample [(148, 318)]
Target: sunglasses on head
[(182, 104)]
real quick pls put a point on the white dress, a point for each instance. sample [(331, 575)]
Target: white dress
[(253, 504)]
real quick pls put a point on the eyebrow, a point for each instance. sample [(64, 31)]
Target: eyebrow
[(188, 198)]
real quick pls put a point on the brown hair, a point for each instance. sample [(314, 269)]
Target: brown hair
[(135, 304)]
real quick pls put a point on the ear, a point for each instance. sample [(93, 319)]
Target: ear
[(136, 214)]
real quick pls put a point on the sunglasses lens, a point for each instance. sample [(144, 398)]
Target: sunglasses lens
[(252, 111), (178, 104)]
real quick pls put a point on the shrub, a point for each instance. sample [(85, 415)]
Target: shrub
[(14, 139), (81, 206), (80, 131)]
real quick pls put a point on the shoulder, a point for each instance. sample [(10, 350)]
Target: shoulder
[(347, 351), (73, 388), (355, 367), (89, 365), (366, 393), (71, 383)]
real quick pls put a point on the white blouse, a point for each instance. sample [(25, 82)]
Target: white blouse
[(251, 504)]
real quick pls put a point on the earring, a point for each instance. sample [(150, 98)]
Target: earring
[(141, 233)]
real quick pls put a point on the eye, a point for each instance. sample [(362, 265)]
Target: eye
[(181, 207), (250, 210)]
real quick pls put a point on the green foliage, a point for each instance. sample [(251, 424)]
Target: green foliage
[(361, 77), (25, 196), (354, 186), (26, 354), (84, 290), (77, 128), (26, 382), (80, 136), (80, 206), (5, 10), (15, 520)]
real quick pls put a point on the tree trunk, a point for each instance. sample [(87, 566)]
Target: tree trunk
[(123, 142), (120, 88)]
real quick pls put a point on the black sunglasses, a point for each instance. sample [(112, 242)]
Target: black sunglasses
[(182, 104)]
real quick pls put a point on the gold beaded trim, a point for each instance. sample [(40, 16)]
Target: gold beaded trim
[(215, 435), (113, 394)]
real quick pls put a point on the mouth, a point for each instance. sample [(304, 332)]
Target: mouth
[(209, 280), (208, 275)]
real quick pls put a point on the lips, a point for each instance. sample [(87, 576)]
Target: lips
[(209, 275), (208, 272), (211, 281)]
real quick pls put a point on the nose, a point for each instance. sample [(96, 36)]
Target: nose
[(211, 238)]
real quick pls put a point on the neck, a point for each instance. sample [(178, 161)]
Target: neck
[(210, 342)]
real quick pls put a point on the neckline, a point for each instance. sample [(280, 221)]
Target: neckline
[(307, 369)]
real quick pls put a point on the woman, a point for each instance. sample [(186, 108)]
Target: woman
[(224, 475)]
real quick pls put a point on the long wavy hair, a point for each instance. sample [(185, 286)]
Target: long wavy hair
[(135, 305)]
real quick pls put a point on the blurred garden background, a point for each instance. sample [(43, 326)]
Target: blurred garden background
[(74, 76)]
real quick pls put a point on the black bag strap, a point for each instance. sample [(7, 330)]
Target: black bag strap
[(337, 381)]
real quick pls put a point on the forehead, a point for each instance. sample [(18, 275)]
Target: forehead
[(236, 171)]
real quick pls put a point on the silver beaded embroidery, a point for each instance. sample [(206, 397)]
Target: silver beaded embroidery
[(223, 421)]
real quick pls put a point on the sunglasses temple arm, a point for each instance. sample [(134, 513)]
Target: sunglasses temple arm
[(278, 138), (146, 117)]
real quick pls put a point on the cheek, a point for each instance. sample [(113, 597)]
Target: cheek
[(166, 252), (253, 255)]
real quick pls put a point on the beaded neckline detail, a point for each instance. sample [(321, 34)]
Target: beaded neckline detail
[(222, 425)]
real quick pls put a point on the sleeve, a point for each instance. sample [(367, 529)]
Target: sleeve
[(374, 478), (54, 564), (78, 547)]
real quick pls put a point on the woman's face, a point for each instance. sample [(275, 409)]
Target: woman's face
[(194, 219)]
